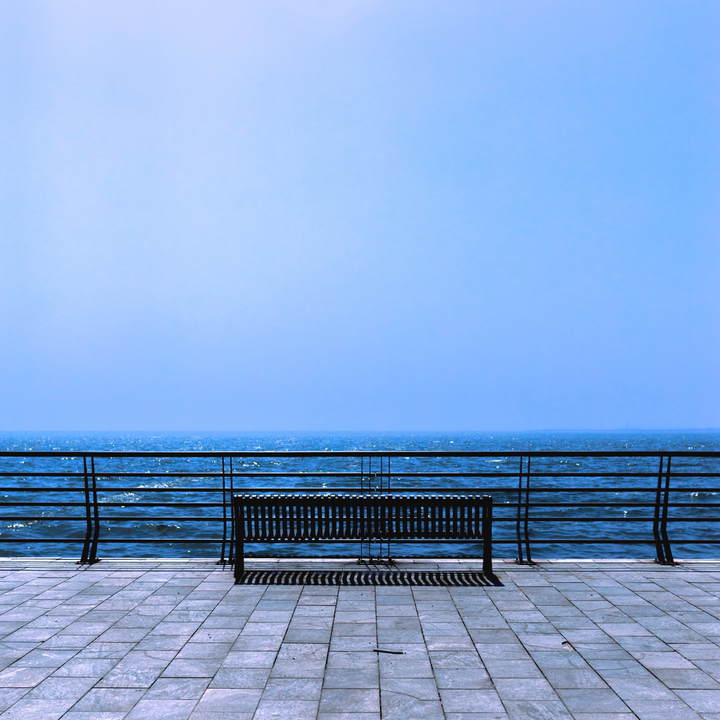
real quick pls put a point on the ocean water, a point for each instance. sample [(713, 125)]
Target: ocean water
[(151, 523)]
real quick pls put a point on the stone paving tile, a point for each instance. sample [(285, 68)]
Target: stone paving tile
[(524, 689), (243, 700), (573, 678), (253, 643), (45, 658), (193, 668), (61, 688), (464, 700), (284, 709), (362, 643), (72, 715), (204, 650), (109, 700), (662, 710), (512, 668), (305, 689), (335, 700), (9, 696), (351, 678), (148, 709), (355, 659), (176, 639), (599, 700), (36, 710), (694, 679), (178, 688), (235, 678), (400, 706), (701, 700), (463, 679), (18, 676)]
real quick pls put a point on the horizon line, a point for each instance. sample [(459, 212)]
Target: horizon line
[(370, 432)]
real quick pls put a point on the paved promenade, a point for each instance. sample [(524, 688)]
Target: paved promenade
[(145, 640)]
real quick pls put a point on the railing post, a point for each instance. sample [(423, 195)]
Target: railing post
[(88, 516), (96, 516), (663, 525), (363, 509), (231, 554), (373, 519), (368, 515), (221, 561), (523, 516), (659, 550), (527, 514), (520, 560), (393, 528)]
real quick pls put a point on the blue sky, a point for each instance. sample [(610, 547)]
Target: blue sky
[(359, 215)]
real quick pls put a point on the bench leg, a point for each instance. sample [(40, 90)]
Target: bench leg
[(487, 538), (239, 559)]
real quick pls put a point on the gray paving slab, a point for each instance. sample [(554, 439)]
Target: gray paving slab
[(176, 639)]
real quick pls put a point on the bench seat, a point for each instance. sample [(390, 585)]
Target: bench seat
[(383, 517)]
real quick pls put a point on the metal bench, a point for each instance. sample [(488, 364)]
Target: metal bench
[(359, 518)]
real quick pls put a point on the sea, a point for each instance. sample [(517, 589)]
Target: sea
[(155, 480)]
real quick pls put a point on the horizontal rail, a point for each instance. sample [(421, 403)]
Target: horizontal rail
[(167, 475), (217, 541), (295, 489), (629, 504)]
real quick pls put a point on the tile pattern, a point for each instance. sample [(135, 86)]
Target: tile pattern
[(172, 640)]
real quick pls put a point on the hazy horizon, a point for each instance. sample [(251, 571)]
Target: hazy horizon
[(520, 431)]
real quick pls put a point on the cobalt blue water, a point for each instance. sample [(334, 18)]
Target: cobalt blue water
[(151, 526)]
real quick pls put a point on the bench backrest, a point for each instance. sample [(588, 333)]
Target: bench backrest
[(359, 517)]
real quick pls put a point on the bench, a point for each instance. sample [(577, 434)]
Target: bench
[(357, 518)]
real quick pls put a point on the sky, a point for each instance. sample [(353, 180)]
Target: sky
[(359, 215)]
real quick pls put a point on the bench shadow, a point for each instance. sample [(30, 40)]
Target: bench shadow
[(399, 578)]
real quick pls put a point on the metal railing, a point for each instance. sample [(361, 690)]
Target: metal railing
[(541, 498)]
